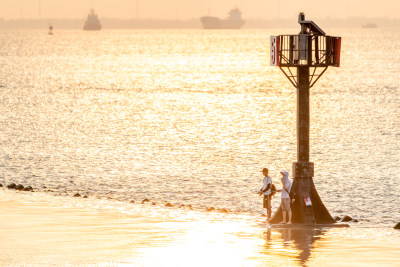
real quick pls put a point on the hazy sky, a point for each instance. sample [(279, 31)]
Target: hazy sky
[(186, 9)]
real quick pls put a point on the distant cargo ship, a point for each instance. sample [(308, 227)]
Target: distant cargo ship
[(234, 21), (92, 23)]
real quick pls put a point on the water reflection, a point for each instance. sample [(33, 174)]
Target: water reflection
[(295, 243), (105, 232)]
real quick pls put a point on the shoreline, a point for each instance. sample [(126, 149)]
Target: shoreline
[(40, 229)]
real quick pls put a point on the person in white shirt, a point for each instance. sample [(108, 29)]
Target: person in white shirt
[(266, 191), (285, 197)]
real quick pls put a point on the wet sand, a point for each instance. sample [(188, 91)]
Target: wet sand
[(37, 229), (41, 230)]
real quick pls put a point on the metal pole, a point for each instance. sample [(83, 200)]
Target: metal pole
[(40, 9), (303, 114), (304, 170), (137, 9)]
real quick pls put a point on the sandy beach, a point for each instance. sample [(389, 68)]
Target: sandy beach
[(44, 230)]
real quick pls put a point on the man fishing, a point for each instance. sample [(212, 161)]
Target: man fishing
[(266, 191)]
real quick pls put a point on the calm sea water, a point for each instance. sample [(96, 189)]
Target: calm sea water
[(192, 116)]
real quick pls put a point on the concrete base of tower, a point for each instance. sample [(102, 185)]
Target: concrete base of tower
[(307, 207)]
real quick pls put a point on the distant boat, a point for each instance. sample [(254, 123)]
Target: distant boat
[(234, 21), (92, 23), (50, 29), (370, 25)]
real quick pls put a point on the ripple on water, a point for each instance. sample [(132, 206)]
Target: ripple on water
[(194, 121)]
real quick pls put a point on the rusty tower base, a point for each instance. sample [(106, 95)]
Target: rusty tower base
[(316, 213)]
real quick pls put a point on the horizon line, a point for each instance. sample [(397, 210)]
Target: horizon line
[(196, 18)]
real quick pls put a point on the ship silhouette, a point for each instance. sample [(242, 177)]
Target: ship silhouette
[(92, 22), (234, 21)]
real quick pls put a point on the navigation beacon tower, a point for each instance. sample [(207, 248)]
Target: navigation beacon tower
[(303, 58)]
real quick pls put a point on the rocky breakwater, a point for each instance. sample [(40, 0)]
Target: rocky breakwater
[(345, 218), (20, 187)]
